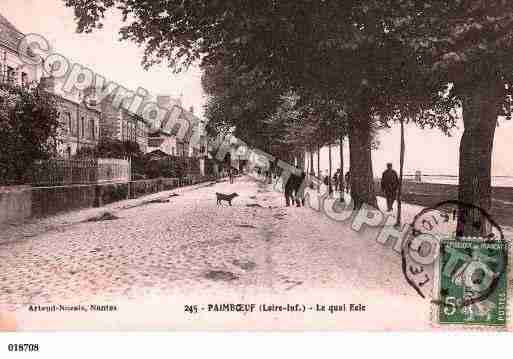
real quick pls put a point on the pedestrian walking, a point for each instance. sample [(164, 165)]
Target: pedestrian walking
[(329, 184), (336, 180), (348, 181), (389, 186), (341, 182), (232, 175)]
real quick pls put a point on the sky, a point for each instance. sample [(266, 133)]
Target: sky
[(427, 150)]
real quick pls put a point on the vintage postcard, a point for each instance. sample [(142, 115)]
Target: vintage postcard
[(255, 166)]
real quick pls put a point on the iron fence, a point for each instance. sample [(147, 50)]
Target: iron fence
[(83, 171)]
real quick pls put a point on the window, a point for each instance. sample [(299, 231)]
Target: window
[(123, 130), (24, 79), (68, 125), (11, 74), (82, 123), (63, 122), (73, 125), (92, 129)]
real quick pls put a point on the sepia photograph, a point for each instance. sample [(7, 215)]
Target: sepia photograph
[(255, 166)]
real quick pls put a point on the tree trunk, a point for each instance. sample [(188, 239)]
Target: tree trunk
[(401, 169), (307, 163), (341, 178), (362, 178), (311, 162), (330, 186), (480, 112), (319, 166)]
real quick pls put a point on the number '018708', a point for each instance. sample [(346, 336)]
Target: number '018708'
[(23, 347)]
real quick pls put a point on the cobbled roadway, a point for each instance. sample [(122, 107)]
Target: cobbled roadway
[(159, 257)]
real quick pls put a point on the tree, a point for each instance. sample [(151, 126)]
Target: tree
[(401, 173), (467, 43), (330, 171), (28, 130), (341, 51), (319, 167), (111, 148), (239, 103), (250, 38), (341, 174), (311, 151)]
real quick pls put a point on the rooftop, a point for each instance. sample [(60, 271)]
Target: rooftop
[(10, 36)]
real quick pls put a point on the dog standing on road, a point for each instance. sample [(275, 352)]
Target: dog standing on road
[(225, 197)]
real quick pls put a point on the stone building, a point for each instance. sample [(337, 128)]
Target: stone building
[(164, 138), (119, 123), (79, 124), (80, 127), (12, 68)]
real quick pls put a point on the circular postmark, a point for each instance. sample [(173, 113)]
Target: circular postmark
[(438, 254)]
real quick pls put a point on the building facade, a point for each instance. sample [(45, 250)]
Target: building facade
[(12, 68), (119, 123), (80, 125), (86, 125), (164, 138)]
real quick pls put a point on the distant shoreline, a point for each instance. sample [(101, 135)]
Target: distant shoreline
[(428, 194), (497, 181)]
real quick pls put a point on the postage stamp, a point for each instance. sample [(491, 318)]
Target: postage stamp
[(465, 279), (471, 282)]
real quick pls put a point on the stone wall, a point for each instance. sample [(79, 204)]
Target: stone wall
[(19, 203), (15, 204), (431, 194), (47, 201)]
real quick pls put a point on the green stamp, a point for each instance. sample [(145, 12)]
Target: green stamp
[(472, 282)]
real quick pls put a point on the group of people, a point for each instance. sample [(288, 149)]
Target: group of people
[(295, 186), (339, 182), (389, 184)]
